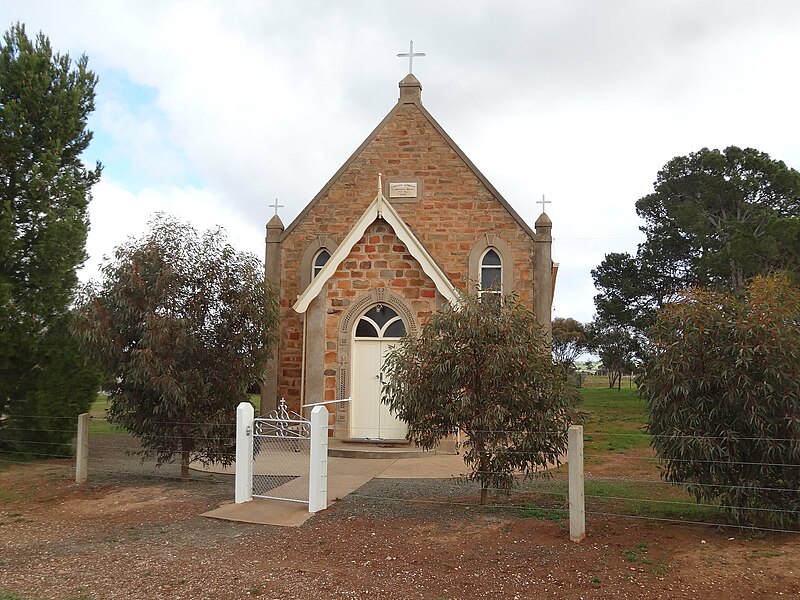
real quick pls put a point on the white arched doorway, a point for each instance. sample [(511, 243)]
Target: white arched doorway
[(376, 331)]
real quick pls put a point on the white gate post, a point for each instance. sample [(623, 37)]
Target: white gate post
[(318, 468), (82, 449), (244, 452), (577, 511)]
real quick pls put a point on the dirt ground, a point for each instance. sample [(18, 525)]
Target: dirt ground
[(140, 536)]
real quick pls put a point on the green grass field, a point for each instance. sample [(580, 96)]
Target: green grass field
[(601, 381), (615, 420), (98, 425), (617, 448)]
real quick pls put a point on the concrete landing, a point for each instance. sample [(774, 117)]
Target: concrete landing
[(373, 449), (345, 475)]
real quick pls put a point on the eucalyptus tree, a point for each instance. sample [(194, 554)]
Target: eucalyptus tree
[(182, 325), (618, 347), (722, 383), (484, 369), (569, 341)]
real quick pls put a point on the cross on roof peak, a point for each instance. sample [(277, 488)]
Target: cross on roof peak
[(543, 202), (410, 54), (276, 206)]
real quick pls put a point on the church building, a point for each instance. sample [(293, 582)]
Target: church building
[(405, 222)]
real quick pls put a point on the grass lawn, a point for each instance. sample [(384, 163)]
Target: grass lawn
[(255, 399), (621, 470), (615, 420), (98, 425)]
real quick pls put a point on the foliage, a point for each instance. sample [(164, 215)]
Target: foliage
[(45, 101), (569, 341), (629, 293), (723, 390), (182, 325), (44, 422), (483, 368), (715, 219), (618, 348)]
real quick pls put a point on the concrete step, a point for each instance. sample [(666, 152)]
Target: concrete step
[(374, 449)]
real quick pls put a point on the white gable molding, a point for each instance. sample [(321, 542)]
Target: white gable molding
[(379, 208)]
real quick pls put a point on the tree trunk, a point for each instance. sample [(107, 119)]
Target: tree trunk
[(184, 458), (483, 470)]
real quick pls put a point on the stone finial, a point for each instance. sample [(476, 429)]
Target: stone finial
[(275, 223), (543, 222), (410, 90)]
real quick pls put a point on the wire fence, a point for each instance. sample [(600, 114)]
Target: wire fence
[(624, 483), (115, 456)]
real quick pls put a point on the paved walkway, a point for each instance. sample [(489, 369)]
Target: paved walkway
[(345, 475)]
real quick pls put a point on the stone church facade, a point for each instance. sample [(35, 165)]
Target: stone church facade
[(367, 262)]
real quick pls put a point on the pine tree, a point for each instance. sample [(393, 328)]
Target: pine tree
[(45, 101)]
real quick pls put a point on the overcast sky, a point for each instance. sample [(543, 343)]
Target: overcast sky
[(211, 110)]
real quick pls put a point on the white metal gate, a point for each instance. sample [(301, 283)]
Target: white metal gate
[(281, 453), (282, 456)]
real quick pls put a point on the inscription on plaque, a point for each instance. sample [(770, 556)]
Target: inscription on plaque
[(403, 190)]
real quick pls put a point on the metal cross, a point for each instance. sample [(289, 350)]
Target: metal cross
[(410, 54), (543, 202), (276, 206)]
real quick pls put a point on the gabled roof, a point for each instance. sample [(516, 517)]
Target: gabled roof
[(407, 82), (379, 208)]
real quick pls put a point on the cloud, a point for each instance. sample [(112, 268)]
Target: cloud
[(116, 214), (584, 102)]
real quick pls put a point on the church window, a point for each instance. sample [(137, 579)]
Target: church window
[(321, 258), (380, 321), (491, 275)]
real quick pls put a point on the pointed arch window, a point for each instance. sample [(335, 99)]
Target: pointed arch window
[(491, 274), (321, 258)]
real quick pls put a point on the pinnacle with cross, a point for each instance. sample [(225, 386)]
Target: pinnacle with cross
[(410, 54), (543, 202)]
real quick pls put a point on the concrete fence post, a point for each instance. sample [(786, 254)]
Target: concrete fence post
[(82, 449), (244, 452), (318, 468), (577, 510)]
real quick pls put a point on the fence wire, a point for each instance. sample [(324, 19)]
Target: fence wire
[(280, 470)]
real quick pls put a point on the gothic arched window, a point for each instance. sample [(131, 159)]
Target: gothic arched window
[(491, 275), (320, 259)]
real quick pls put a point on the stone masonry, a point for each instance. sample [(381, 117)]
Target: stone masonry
[(455, 209)]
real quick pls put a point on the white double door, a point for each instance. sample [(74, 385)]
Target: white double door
[(370, 418)]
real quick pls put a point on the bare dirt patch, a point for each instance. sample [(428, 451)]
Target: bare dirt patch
[(139, 536)]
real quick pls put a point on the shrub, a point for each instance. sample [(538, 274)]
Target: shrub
[(723, 389), (483, 368)]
